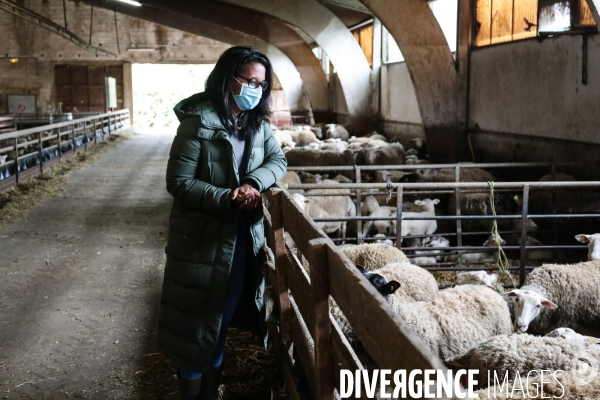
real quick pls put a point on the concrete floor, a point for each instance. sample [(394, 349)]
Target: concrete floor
[(80, 279)]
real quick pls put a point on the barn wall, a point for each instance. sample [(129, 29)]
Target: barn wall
[(399, 114), (528, 102), (38, 50)]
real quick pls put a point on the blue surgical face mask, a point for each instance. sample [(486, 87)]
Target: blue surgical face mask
[(248, 97)]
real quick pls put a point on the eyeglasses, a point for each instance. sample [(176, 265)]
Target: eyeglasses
[(254, 83)]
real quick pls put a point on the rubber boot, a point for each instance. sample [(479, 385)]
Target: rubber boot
[(209, 390), (188, 389)]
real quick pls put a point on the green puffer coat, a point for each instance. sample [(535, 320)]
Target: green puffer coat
[(201, 175)]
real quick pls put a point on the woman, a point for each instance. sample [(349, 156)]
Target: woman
[(223, 156)]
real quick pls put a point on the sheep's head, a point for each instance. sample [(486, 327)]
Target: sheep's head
[(593, 245), (379, 282), (300, 200), (528, 305), (428, 204)]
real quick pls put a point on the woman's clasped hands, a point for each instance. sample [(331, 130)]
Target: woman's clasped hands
[(245, 197)]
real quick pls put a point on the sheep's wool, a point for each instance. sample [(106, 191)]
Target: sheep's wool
[(523, 353), (374, 255), (457, 319), (574, 288)]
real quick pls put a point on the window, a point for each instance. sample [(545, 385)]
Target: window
[(445, 12), (499, 21), (364, 37), (322, 57)]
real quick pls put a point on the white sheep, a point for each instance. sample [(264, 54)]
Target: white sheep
[(488, 256), (523, 353), (336, 131), (418, 227), (432, 255), (327, 207), (416, 283), (374, 255), (457, 319), (558, 296), (476, 278), (303, 138), (291, 177), (334, 144), (570, 334), (380, 238), (371, 208), (593, 245), (282, 137)]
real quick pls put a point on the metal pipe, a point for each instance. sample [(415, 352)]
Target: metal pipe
[(524, 212), (447, 185), (399, 217)]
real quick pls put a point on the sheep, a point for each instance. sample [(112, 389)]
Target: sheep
[(380, 238), (476, 278), (383, 286), (433, 241), (306, 157), (447, 175), (334, 144), (370, 207), (490, 256), (593, 245), (336, 131), (291, 177), (419, 227), (573, 287), (374, 255), (303, 138), (479, 204), (287, 146), (391, 154), (457, 319), (417, 283), (418, 144), (282, 137), (570, 334), (521, 353), (384, 176), (327, 207)]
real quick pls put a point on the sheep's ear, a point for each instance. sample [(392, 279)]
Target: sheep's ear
[(307, 200), (493, 288), (503, 242), (516, 198), (324, 176), (361, 268), (514, 293), (419, 202), (436, 201), (486, 242), (548, 304), (391, 287), (583, 238)]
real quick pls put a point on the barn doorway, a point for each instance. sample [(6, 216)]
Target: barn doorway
[(157, 88)]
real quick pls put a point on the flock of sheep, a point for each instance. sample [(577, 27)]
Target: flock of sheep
[(474, 324)]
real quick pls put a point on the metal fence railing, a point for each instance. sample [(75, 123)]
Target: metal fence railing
[(549, 214), (24, 153)]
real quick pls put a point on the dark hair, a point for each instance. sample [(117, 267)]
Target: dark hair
[(219, 85)]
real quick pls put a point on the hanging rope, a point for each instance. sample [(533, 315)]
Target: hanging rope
[(471, 146), (502, 261)]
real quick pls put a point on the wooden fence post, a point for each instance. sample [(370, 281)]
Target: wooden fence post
[(278, 240), (319, 279)]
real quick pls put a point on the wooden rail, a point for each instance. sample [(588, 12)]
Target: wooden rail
[(87, 131), (292, 239)]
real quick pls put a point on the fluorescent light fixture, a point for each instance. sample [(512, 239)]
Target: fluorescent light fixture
[(14, 60), (141, 49), (131, 2)]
